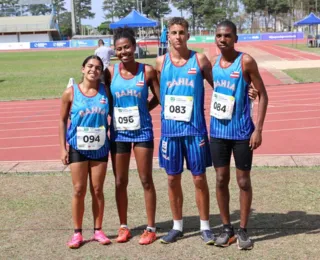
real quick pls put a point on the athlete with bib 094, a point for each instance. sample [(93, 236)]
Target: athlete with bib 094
[(131, 128), (232, 129), (87, 105)]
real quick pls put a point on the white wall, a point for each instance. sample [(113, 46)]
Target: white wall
[(35, 37), (8, 38)]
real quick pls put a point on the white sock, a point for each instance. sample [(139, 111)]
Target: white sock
[(124, 226), (178, 225), (152, 229), (204, 225)]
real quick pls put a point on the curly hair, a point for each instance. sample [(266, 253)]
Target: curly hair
[(125, 32)]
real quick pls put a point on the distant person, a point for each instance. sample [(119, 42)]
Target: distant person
[(232, 130), (105, 53), (87, 105)]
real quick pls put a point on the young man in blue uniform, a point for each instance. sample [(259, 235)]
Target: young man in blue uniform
[(232, 129), (183, 128)]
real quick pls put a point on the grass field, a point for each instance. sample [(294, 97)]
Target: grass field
[(43, 74), (302, 47), (36, 221), (304, 75)]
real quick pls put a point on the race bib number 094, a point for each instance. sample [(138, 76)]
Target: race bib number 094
[(126, 118), (222, 106), (178, 108), (90, 138)]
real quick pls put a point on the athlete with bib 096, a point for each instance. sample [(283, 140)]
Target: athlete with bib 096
[(132, 127), (232, 129), (87, 106)]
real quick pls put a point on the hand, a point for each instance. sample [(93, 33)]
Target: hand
[(65, 157), (255, 140), (253, 92)]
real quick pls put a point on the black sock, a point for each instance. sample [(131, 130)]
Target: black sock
[(227, 226), (96, 229), (244, 229), (78, 230)]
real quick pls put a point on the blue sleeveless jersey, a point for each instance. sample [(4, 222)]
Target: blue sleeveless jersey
[(185, 80), (230, 81), (129, 93), (89, 112)]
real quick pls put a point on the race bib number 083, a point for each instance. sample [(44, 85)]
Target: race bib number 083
[(178, 108), (90, 138), (222, 106)]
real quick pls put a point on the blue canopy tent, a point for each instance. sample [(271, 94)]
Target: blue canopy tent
[(311, 19), (134, 19)]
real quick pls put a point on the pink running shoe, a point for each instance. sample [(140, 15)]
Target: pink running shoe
[(101, 237), (75, 241)]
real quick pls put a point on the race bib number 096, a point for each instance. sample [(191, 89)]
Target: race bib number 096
[(222, 106), (126, 118), (178, 108), (90, 138)]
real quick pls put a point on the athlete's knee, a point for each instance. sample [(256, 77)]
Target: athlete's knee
[(97, 191), (200, 182), (147, 182), (222, 180), (79, 191), (174, 181), (244, 183), (121, 182)]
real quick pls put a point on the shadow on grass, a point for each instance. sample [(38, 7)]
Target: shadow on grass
[(262, 226), (2, 80)]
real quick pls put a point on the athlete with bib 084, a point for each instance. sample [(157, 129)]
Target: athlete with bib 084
[(87, 106), (232, 129), (131, 128)]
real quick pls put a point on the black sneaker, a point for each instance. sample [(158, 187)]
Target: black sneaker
[(243, 240), (171, 237), (227, 237), (208, 237)]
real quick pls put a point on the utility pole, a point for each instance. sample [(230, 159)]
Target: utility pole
[(73, 21)]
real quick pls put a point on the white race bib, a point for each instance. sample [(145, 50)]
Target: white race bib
[(222, 106), (90, 138), (127, 118), (178, 108)]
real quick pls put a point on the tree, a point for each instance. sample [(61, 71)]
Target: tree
[(7, 8), (103, 28), (155, 9), (65, 24), (39, 9), (59, 7), (82, 11), (118, 8)]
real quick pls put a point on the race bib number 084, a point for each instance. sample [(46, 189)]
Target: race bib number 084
[(178, 108), (90, 138), (126, 118), (222, 106)]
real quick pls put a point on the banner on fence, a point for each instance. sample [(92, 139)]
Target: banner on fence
[(45, 45), (15, 46), (201, 39), (249, 37), (281, 36)]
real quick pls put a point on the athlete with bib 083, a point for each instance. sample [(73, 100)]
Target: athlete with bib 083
[(131, 128), (87, 106), (232, 129)]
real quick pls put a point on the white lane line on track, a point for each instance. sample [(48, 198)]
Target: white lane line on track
[(27, 122), (16, 107), (25, 147), (292, 119), (289, 112), (33, 128), (23, 117), (291, 129), (27, 111), (31, 136)]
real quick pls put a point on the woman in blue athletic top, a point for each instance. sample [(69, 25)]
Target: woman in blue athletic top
[(87, 106), (132, 127)]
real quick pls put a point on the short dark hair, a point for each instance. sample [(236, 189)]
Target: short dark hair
[(179, 21), (125, 32), (102, 42), (227, 23)]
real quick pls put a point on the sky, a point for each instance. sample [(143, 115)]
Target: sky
[(97, 9)]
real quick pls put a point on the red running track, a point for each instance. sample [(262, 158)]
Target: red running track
[(29, 129)]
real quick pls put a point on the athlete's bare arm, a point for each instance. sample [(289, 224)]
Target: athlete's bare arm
[(251, 68), (159, 63), (66, 102), (206, 68), (153, 83)]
